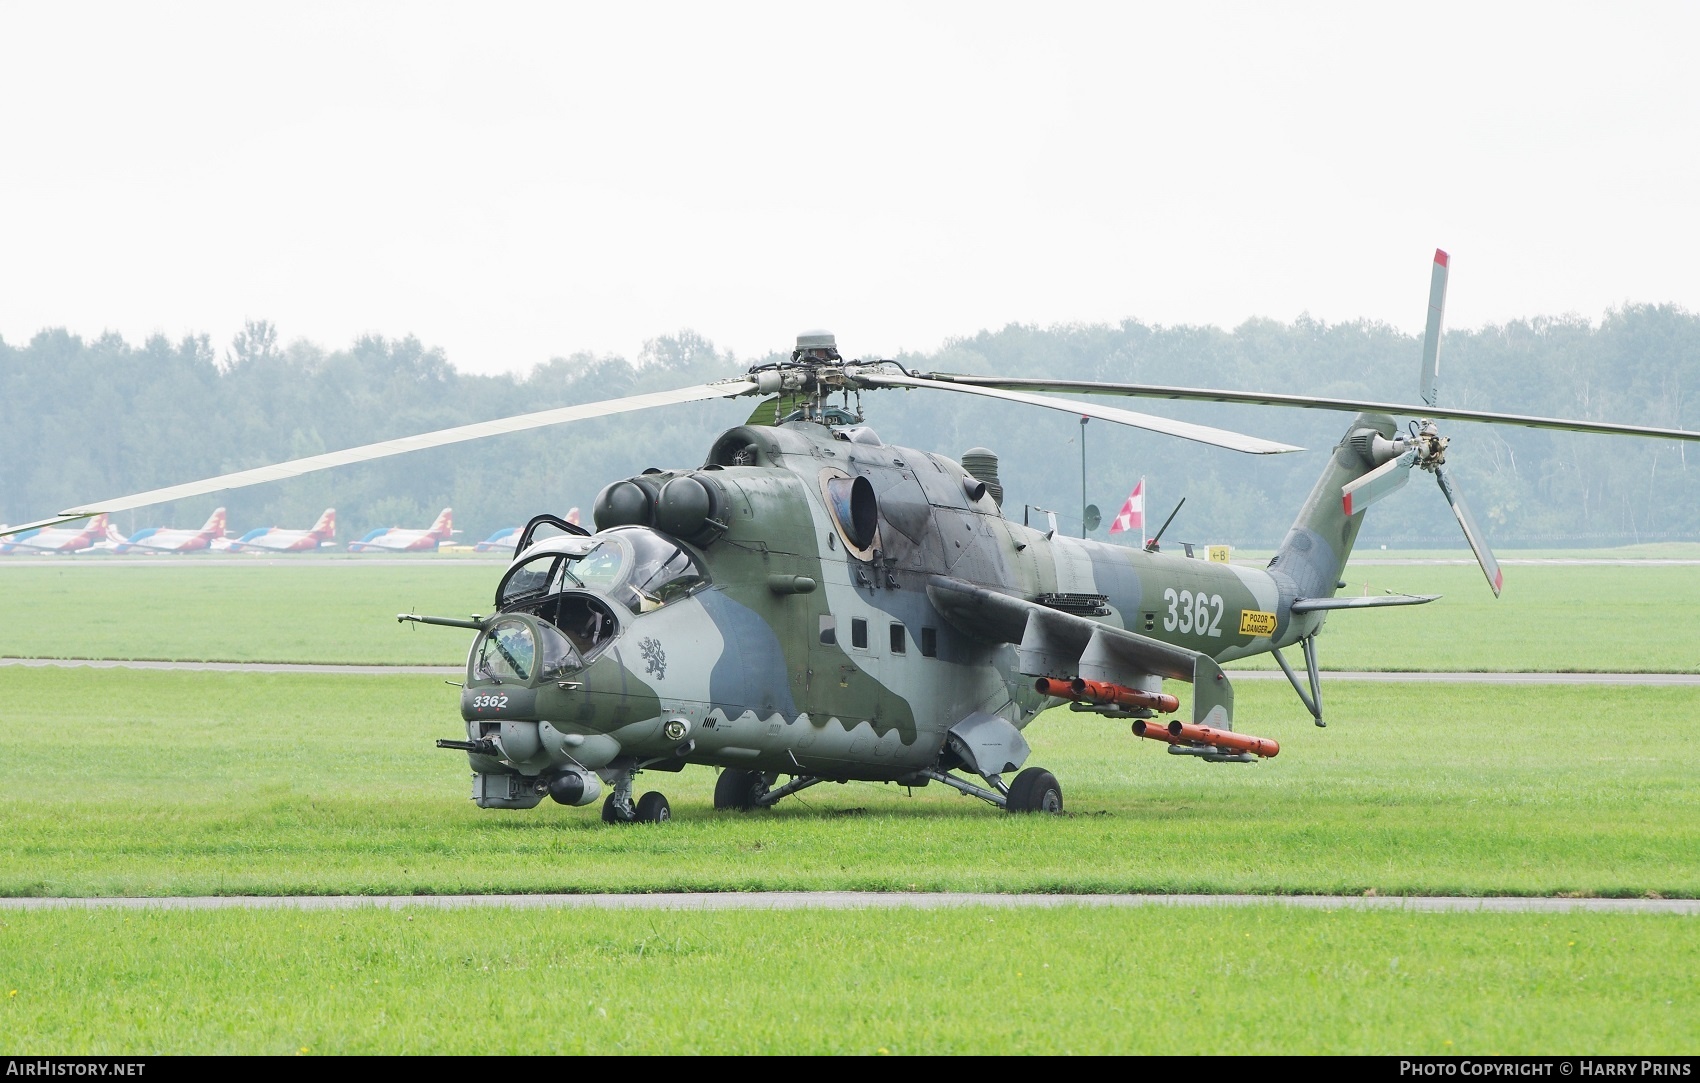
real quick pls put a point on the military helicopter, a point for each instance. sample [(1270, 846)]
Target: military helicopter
[(812, 604)]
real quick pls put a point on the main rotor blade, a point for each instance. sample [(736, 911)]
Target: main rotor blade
[(385, 448), (1431, 333), (1203, 434), (1472, 533), (1309, 402)]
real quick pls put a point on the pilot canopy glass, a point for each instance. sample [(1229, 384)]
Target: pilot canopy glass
[(510, 651), (636, 566)]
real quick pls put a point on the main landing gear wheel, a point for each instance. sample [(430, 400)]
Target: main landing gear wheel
[(739, 789), (1035, 790), (652, 808)]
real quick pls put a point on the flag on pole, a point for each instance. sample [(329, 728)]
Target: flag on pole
[(1132, 515)]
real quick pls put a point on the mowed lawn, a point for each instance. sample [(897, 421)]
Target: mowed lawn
[(160, 783), (1552, 618), (216, 609), (1172, 980)]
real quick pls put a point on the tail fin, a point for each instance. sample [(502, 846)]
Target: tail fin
[(326, 526), (99, 525), (1314, 552), (444, 526), (215, 524)]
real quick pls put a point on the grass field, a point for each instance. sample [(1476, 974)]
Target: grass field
[(1163, 980), (159, 783), (139, 783), (213, 610), (1560, 618)]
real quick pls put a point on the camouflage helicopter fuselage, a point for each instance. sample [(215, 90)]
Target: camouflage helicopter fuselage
[(839, 609)]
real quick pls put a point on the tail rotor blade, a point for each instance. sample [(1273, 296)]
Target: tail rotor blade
[(1385, 479), (1472, 533), (1431, 334)]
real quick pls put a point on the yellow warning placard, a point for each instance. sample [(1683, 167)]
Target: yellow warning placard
[(1221, 553), (1255, 622)]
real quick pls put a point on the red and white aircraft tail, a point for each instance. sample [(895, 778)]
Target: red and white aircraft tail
[(443, 528)]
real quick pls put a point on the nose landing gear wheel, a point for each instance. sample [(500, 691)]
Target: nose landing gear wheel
[(1035, 790), (652, 808)]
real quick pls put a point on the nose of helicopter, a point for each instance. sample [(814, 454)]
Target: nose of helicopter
[(523, 670)]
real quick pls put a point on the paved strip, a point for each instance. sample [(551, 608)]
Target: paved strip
[(1478, 678), (1616, 562), (864, 900), (236, 667), (495, 562), (1233, 674)]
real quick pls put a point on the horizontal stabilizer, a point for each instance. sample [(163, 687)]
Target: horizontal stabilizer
[(1373, 601), (1384, 480)]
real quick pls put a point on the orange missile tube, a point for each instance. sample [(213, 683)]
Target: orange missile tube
[(1047, 686), (1122, 696), (1105, 693), (1239, 742), (1153, 731)]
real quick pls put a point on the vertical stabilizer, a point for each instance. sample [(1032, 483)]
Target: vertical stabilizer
[(1313, 554), (325, 528)]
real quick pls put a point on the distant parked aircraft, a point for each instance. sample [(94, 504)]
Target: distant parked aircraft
[(166, 540), (271, 539), (61, 539), (504, 540), (398, 540)]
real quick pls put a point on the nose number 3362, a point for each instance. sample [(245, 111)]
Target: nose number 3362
[(1199, 614)]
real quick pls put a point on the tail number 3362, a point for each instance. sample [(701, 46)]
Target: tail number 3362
[(1196, 614)]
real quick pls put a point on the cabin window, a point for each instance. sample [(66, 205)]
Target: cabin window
[(858, 632), (829, 629), (930, 642), (897, 643)]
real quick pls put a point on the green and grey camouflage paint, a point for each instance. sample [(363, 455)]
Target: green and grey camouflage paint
[(830, 645)]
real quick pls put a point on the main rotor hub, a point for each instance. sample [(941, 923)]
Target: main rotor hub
[(816, 345)]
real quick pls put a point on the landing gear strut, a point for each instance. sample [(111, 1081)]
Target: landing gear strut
[(619, 808), (742, 789), (1312, 702), (1034, 790)]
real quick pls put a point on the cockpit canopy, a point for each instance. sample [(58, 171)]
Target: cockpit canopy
[(639, 568), (509, 651)]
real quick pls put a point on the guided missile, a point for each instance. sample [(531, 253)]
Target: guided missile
[(1107, 694), (1204, 735)]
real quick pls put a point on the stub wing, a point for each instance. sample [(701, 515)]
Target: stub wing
[(1063, 646)]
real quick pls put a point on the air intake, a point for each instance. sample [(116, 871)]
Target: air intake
[(982, 463)]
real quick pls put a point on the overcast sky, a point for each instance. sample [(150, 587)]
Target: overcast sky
[(515, 182)]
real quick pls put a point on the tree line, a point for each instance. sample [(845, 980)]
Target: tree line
[(84, 419)]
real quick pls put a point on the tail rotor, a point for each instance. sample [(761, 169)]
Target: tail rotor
[(1424, 447)]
